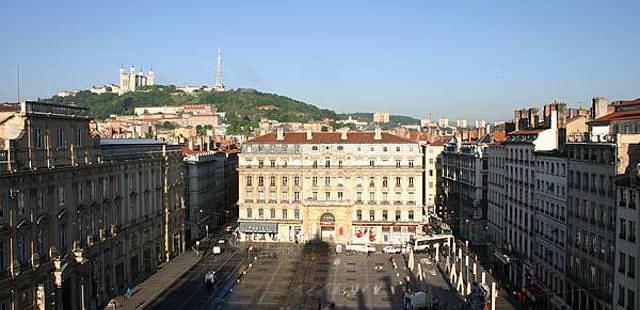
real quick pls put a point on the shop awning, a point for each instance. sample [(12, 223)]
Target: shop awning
[(258, 227)]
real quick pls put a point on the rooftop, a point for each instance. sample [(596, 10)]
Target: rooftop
[(328, 138), (129, 142)]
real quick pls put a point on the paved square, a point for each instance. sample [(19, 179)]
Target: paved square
[(311, 275)]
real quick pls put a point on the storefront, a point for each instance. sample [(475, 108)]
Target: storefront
[(258, 231), (383, 234)]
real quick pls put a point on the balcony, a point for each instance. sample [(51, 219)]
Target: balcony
[(359, 202), (324, 203)]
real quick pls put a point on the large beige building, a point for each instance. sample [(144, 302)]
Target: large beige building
[(81, 218), (343, 187)]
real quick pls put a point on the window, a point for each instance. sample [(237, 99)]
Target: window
[(22, 208), (340, 148), (621, 295), (327, 196), (249, 213), (327, 163), (384, 182), (284, 214), (397, 164), (372, 215), (62, 237), (249, 181), (79, 137), (632, 267), (631, 299), (621, 263), (314, 181), (61, 141), (410, 214), (296, 181), (410, 181), (398, 181), (315, 164), (21, 248), (397, 149), (340, 196), (372, 163), (372, 182), (272, 181), (359, 215), (61, 195), (296, 196), (261, 213), (39, 138), (284, 164), (397, 215), (273, 213), (385, 215), (372, 197), (314, 195), (339, 163), (296, 214), (358, 196), (314, 148), (260, 163), (285, 181), (411, 164), (284, 197), (272, 163), (327, 181), (260, 181)]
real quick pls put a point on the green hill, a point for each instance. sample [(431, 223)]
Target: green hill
[(393, 119), (244, 107)]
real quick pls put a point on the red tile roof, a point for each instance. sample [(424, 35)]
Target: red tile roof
[(528, 131), (328, 137), (627, 102), (617, 116)]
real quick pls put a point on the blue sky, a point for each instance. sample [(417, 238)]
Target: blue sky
[(473, 59)]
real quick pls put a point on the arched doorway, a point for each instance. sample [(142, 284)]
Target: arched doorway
[(327, 227)]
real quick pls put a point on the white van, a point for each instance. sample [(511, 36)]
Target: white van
[(363, 248)]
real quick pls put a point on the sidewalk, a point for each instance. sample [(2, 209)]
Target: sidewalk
[(147, 291)]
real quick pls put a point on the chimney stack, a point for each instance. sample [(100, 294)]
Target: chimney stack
[(343, 135), (280, 134), (309, 134), (377, 133)]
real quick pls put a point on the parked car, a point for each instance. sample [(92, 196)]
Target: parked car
[(363, 248), (390, 249)]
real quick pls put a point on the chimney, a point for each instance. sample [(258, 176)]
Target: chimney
[(377, 133), (554, 119), (343, 135), (280, 134), (309, 134)]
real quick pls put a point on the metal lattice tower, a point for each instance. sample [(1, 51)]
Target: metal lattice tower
[(219, 85)]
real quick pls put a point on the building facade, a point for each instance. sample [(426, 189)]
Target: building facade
[(550, 227), (464, 181), (626, 282), (381, 117), (80, 215), (343, 187), (432, 153)]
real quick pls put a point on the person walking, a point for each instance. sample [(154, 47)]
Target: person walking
[(129, 293)]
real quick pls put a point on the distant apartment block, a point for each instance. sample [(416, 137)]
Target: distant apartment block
[(380, 117)]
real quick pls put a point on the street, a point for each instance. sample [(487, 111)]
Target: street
[(298, 276)]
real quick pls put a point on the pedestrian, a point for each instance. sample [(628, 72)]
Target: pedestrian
[(129, 292)]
